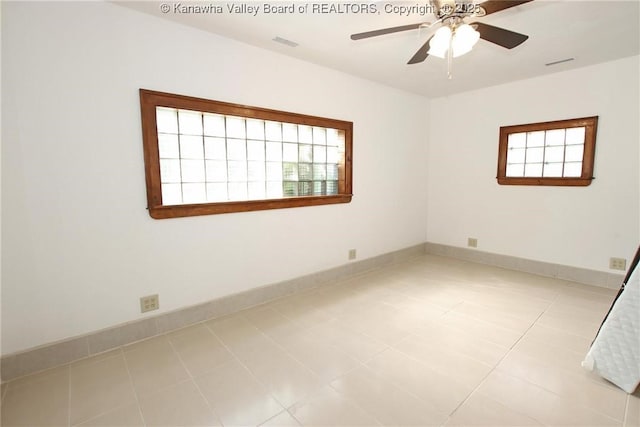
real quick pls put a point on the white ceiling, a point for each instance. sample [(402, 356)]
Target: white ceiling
[(589, 31)]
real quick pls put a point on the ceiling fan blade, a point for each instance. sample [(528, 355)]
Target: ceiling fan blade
[(499, 36), (493, 6), (421, 54), (384, 31)]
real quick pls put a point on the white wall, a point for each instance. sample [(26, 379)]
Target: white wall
[(579, 227), (78, 247)]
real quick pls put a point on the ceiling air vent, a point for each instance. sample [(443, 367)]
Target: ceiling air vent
[(285, 41), (559, 62)]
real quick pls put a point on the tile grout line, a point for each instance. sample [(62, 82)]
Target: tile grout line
[(484, 380), (131, 382)]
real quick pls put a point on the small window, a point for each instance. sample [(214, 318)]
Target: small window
[(207, 157), (548, 153)]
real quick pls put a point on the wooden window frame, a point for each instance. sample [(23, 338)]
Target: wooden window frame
[(589, 123), (149, 100)]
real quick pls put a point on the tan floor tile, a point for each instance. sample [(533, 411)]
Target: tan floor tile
[(447, 361), (320, 356), (177, 405), (632, 417), (286, 379), (39, 400), (537, 403), (236, 396), (95, 388), (283, 419), (240, 336), (329, 408), (271, 322), (441, 392), (574, 388), (124, 416), (480, 410), (356, 345), (503, 336), (199, 349), (153, 364), (559, 338), (388, 404)]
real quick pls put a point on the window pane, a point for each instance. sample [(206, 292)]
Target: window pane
[(289, 132), (305, 134), (555, 137), (319, 136), (533, 170), (319, 172), (573, 169), (237, 171), (274, 171), (192, 170), (214, 125), (332, 171), (273, 131), (319, 188), (575, 135), (552, 170), (235, 127), (194, 193), (237, 191), (168, 146), (535, 139), (274, 190), (274, 151), (335, 138), (290, 189), (216, 170), (217, 192), (236, 149), (517, 140), (305, 172), (554, 154), (305, 153), (215, 148), (515, 169), (534, 155), (191, 147), (319, 154), (255, 129), (256, 171), (290, 152), (171, 194), (257, 190), (305, 189), (167, 120), (332, 187), (190, 123), (169, 170), (255, 150), (290, 171), (333, 155), (515, 155), (574, 153)]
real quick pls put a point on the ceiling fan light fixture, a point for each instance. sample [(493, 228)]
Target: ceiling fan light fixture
[(439, 43), (464, 38)]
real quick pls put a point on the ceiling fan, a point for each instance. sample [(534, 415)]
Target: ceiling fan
[(455, 37)]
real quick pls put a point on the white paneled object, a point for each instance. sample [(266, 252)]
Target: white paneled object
[(615, 353)]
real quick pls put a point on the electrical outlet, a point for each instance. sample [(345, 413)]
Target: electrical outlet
[(149, 303), (618, 264), (472, 242), (352, 254)]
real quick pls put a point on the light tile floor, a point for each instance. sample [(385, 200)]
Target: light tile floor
[(430, 342)]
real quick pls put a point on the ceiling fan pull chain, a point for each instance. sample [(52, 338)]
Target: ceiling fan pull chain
[(450, 56)]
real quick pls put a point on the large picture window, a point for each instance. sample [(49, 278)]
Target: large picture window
[(549, 153), (208, 157)]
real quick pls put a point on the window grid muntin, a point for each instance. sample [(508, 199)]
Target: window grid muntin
[(289, 188), (544, 151)]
